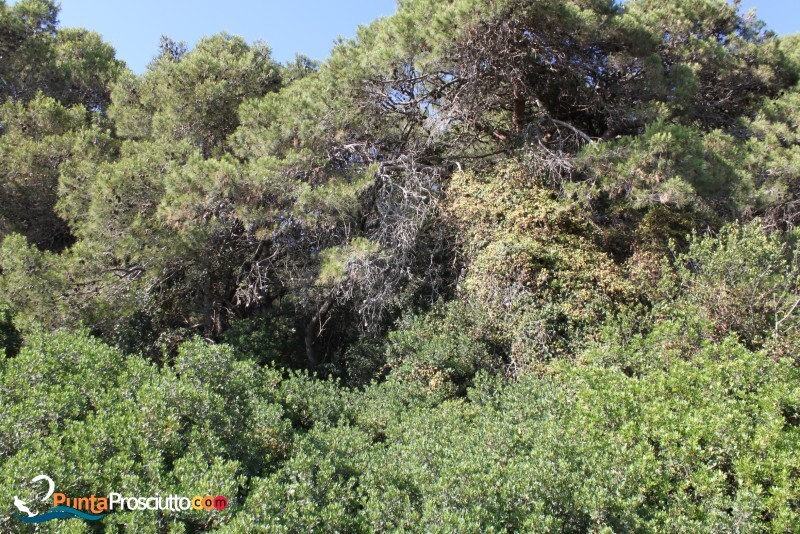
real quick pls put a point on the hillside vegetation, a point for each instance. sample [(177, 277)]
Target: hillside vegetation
[(494, 265)]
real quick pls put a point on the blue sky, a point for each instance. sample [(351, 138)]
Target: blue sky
[(782, 16), (289, 26)]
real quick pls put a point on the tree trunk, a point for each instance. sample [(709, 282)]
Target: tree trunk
[(313, 327), (518, 119), (208, 320)]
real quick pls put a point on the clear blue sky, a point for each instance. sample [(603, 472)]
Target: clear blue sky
[(289, 26), (310, 27), (781, 16)]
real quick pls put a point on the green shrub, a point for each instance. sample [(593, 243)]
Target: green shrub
[(745, 281)]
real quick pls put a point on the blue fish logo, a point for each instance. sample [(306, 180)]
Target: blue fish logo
[(60, 512)]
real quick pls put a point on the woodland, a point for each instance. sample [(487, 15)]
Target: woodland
[(492, 266)]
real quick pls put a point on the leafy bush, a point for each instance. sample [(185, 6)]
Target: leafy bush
[(745, 281), (96, 421)]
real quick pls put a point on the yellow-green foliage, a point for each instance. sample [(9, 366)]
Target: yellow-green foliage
[(532, 263), (334, 201), (337, 260), (512, 199)]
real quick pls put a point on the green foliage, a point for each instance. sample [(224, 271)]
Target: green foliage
[(28, 29), (681, 447), (533, 268), (717, 63), (697, 438), (194, 96), (78, 407), (31, 278), (262, 339), (773, 158), (674, 166), (72, 66), (745, 282), (335, 260), (39, 139), (444, 349)]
